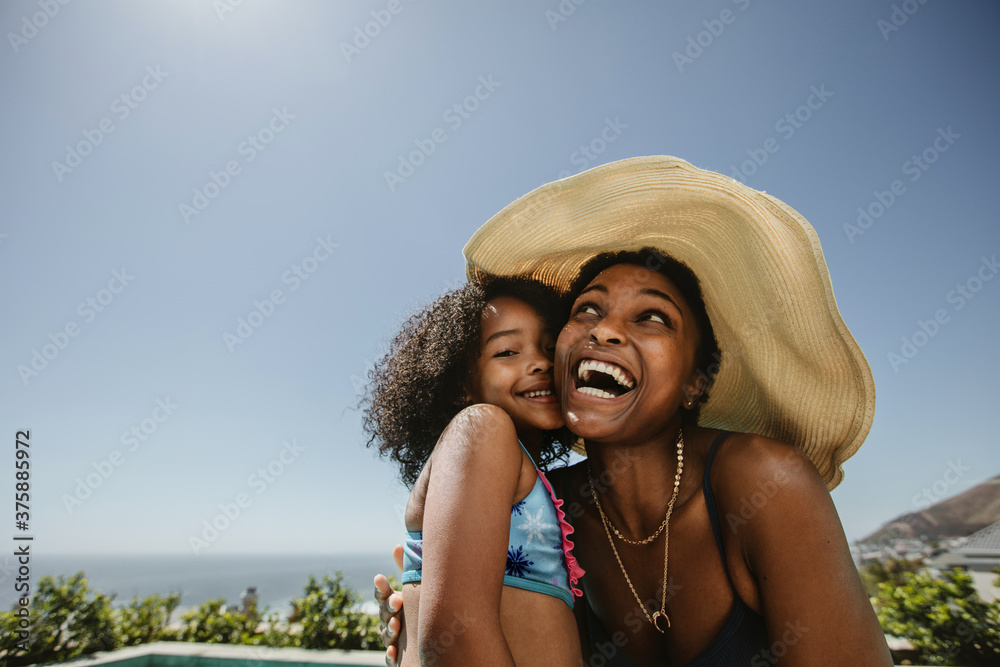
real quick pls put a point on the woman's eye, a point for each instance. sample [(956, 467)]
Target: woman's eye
[(655, 317), (586, 309)]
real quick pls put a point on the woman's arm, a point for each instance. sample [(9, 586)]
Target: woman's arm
[(793, 544), (473, 480)]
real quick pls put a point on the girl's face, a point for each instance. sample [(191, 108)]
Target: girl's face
[(514, 369), (626, 358)]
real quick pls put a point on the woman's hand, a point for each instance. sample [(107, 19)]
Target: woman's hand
[(390, 604)]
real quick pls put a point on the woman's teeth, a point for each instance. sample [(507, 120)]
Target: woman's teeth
[(594, 391), (589, 366)]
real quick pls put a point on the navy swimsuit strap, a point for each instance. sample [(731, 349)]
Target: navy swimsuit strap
[(713, 510)]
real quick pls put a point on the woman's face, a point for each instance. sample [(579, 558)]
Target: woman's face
[(514, 369), (626, 359)]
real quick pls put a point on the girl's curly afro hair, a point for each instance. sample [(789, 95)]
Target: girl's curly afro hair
[(420, 384)]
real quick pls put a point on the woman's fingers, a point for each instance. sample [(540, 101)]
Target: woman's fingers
[(390, 632), (389, 609), (389, 601), (382, 588)]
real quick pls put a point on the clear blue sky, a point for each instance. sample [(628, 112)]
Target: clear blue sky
[(308, 128)]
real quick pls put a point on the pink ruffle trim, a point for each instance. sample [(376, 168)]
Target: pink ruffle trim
[(574, 569)]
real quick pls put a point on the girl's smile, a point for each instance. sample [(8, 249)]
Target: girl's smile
[(514, 368)]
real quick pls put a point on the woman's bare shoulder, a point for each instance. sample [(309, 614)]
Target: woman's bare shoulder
[(779, 511), (747, 463), (759, 482)]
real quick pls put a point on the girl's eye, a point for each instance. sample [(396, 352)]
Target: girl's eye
[(505, 353)]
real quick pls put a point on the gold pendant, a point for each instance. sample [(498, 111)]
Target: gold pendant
[(656, 621)]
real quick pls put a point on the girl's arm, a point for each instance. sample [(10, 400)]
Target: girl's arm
[(473, 480), (792, 542)]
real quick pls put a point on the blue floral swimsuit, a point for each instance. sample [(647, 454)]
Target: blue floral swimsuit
[(539, 556)]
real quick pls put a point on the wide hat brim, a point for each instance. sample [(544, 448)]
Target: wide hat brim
[(790, 368)]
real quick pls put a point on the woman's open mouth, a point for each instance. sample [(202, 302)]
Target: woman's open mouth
[(602, 379)]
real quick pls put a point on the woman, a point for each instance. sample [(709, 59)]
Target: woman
[(700, 547)]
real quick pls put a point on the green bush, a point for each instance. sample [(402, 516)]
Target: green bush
[(892, 571), (68, 619), (212, 622), (143, 621), (944, 618), (328, 620)]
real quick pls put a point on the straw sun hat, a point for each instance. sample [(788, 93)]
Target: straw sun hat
[(790, 369)]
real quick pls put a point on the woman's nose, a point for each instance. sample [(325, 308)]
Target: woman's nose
[(608, 332)]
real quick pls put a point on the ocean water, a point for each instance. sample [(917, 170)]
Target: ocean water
[(278, 578)]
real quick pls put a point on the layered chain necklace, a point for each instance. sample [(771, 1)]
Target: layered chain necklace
[(660, 617)]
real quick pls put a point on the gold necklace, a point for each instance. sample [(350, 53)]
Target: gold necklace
[(662, 613)]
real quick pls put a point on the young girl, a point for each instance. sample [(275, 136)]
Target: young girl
[(464, 401)]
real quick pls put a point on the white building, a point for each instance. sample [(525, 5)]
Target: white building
[(978, 555)]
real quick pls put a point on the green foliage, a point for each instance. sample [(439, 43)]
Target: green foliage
[(892, 571), (212, 622), (328, 619), (323, 618), (67, 619), (143, 621), (944, 618), (273, 633)]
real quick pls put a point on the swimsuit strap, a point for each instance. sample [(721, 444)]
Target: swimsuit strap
[(713, 510), (526, 452)]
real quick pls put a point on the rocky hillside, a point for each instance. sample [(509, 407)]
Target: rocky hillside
[(957, 516)]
